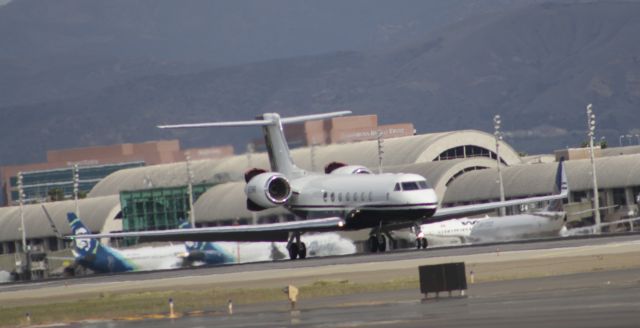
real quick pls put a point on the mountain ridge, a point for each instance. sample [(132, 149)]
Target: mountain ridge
[(538, 66)]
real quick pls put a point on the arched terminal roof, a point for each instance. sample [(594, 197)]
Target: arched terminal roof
[(96, 213), (404, 150), (538, 179), (397, 151), (164, 175)]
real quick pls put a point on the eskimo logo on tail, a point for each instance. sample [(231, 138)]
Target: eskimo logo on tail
[(83, 246)]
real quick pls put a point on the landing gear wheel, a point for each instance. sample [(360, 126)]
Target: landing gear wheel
[(382, 244), (293, 251), (373, 244), (421, 243), (302, 252)]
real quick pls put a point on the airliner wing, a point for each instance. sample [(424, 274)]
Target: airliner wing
[(561, 189), (253, 232)]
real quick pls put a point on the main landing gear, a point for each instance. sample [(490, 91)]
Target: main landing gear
[(377, 244), (296, 248), (421, 240), (377, 241)]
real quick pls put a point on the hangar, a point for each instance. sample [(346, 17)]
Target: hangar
[(461, 165)]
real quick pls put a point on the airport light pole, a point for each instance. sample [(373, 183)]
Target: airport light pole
[(498, 136), (192, 214), (591, 124), (21, 200), (76, 184)]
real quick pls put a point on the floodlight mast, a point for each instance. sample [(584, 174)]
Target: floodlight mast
[(192, 214), (498, 136), (21, 201), (591, 124), (76, 185)]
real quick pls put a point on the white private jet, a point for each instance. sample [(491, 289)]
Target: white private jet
[(346, 197)]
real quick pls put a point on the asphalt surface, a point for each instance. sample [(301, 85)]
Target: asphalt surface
[(596, 299), (392, 256)]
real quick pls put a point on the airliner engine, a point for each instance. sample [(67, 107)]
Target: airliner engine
[(268, 189)]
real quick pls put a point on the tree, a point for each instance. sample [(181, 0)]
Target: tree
[(603, 144), (55, 194)]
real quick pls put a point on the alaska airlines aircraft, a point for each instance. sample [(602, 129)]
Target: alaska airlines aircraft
[(91, 254), (345, 197)]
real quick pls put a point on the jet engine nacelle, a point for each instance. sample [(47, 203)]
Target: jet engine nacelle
[(339, 168), (269, 189)]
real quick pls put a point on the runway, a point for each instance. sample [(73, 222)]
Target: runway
[(596, 299), (490, 262)]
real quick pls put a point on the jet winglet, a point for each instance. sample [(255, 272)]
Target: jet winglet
[(562, 184)]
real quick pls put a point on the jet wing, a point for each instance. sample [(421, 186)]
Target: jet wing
[(561, 191), (466, 210), (253, 232)]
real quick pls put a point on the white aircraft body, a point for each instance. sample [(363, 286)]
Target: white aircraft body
[(345, 197), (549, 222), (497, 229)]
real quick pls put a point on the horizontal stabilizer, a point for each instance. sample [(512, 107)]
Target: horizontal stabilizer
[(216, 124), (295, 119), (257, 122)]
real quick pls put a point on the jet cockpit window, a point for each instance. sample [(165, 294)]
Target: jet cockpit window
[(410, 186), (423, 185), (397, 188)]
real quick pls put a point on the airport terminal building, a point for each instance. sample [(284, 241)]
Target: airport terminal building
[(460, 165)]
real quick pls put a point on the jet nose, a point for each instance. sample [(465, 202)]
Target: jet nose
[(431, 196)]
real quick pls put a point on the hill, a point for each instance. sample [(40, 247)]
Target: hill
[(538, 66)]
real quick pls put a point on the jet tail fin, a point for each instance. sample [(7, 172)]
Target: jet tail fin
[(561, 188), (82, 246)]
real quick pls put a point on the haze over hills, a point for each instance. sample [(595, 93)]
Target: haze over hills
[(536, 65)]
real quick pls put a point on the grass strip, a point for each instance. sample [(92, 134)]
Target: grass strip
[(140, 304)]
